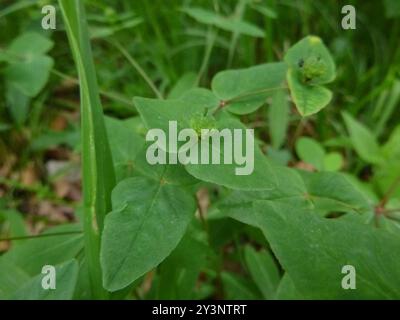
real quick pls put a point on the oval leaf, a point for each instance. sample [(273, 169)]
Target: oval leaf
[(147, 222)]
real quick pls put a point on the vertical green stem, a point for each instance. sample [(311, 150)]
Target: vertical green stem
[(211, 36), (97, 168)]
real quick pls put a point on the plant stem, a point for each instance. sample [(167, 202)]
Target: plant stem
[(211, 36), (389, 192), (138, 68), (40, 236), (110, 95), (239, 12), (97, 167), (298, 132)]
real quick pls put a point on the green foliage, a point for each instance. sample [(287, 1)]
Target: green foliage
[(29, 66), (392, 8), (224, 23), (312, 152), (329, 245), (67, 274), (27, 72), (261, 178), (263, 270), (363, 140), (48, 249), (247, 89), (180, 271), (238, 288), (200, 231), (11, 279), (310, 67), (97, 169), (278, 117), (134, 228)]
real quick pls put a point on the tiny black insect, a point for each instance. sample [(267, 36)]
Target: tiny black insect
[(308, 79), (301, 63)]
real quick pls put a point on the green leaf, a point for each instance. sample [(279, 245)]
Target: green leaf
[(364, 142), (279, 157), (263, 270), (186, 82), (323, 192), (170, 173), (387, 172), (30, 44), (261, 178), (158, 113), (386, 175), (278, 118), (200, 97), (147, 222), (179, 273), (17, 104), (97, 165), (238, 288), (310, 66), (333, 192), (34, 253), (11, 278), (130, 157), (310, 61), (333, 161), (49, 139), (265, 10), (310, 151), (103, 31), (16, 225), (287, 290), (308, 99), (31, 75), (324, 246), (28, 71), (66, 277), (391, 149), (83, 288), (125, 144), (245, 90), (290, 187), (224, 23)]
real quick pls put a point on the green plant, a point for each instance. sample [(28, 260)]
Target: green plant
[(171, 225)]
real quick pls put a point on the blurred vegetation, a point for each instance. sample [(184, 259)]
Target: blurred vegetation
[(156, 49)]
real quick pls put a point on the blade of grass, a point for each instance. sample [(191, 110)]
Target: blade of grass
[(107, 94), (138, 68), (210, 40), (238, 15), (39, 236), (16, 7), (98, 173)]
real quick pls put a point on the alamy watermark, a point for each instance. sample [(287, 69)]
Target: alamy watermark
[(349, 20), (49, 279), (49, 20), (349, 280), (209, 146)]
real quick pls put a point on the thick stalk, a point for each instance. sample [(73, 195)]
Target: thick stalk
[(97, 169)]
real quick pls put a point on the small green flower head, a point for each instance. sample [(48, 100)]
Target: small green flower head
[(311, 68), (200, 121)]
